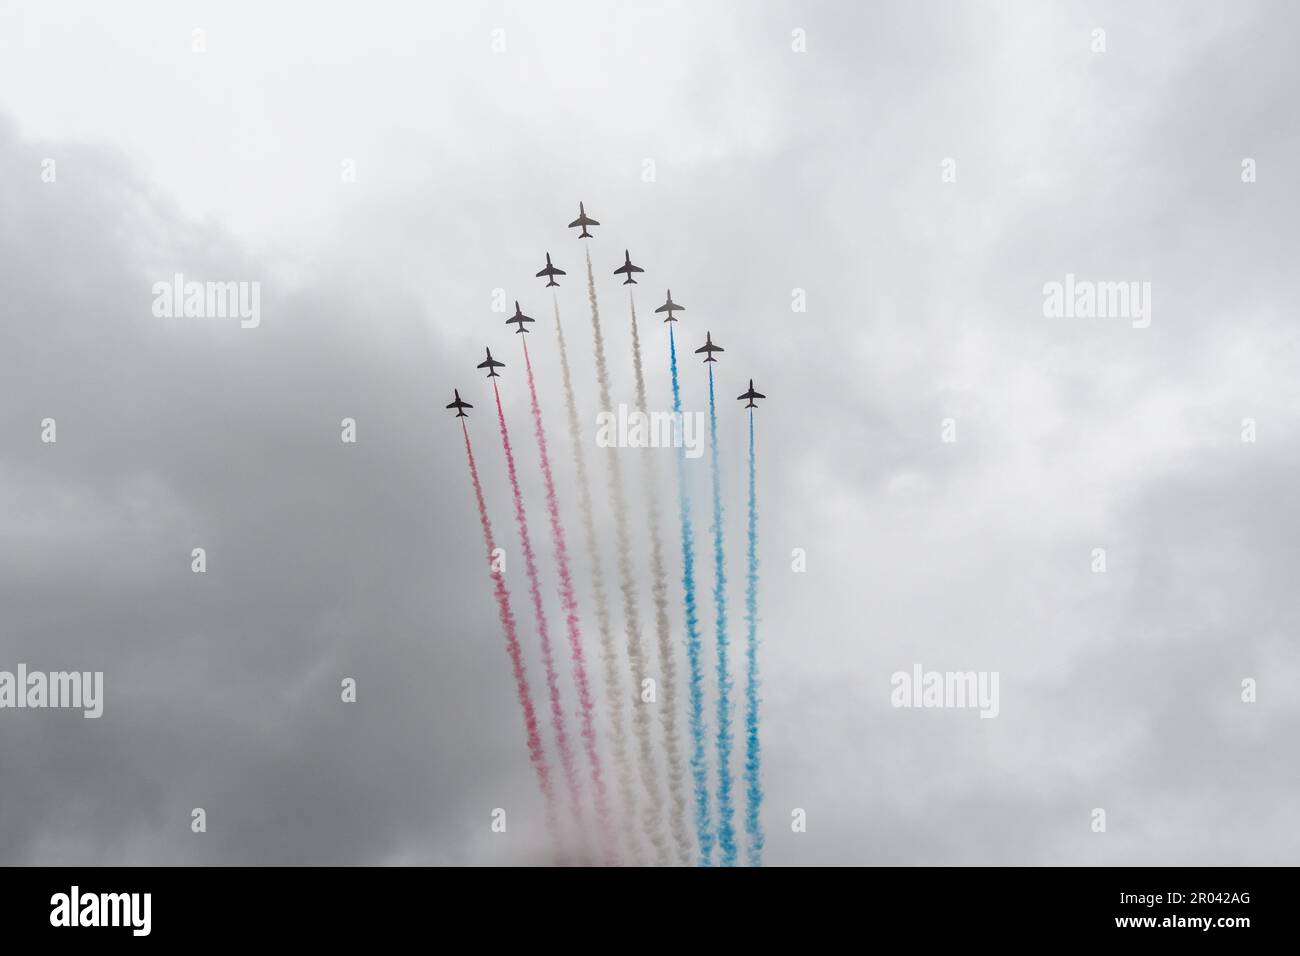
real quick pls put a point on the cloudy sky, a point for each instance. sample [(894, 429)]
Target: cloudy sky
[(736, 169)]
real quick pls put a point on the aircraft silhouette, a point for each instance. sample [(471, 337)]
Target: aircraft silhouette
[(519, 319), (491, 365), (550, 272), (669, 306), (627, 269), (459, 405), (751, 395), (709, 348), (584, 221)]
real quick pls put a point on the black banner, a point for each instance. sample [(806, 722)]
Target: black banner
[(1151, 906)]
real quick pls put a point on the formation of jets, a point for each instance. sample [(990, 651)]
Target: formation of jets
[(627, 270)]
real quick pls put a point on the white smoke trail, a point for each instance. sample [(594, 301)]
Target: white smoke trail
[(608, 650), (667, 661), (653, 822)]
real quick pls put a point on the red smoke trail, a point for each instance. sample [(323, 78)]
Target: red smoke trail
[(535, 752), (543, 631), (570, 604)]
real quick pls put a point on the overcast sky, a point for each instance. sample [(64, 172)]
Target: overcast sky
[(774, 170)]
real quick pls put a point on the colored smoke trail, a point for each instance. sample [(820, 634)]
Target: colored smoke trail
[(726, 835), (543, 631), (535, 752), (699, 763), (608, 650), (667, 660), (631, 615), (753, 788), (570, 604)]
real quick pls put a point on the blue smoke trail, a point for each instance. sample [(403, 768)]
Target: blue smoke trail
[(753, 789), (699, 763), (726, 835)]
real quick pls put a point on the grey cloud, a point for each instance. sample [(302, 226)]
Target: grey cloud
[(775, 171)]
